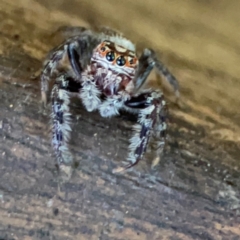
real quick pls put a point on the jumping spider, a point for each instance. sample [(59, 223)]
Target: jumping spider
[(102, 68)]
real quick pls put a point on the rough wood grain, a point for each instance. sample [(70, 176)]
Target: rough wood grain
[(194, 193)]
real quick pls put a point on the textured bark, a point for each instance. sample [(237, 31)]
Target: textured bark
[(193, 193)]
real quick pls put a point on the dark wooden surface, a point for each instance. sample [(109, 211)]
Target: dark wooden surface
[(194, 193)]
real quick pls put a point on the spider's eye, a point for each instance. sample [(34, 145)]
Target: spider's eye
[(121, 61), (110, 56), (103, 49), (131, 61)]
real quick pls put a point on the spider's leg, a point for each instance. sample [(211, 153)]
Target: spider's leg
[(151, 124), (72, 56), (51, 66), (61, 117), (69, 31), (64, 85), (79, 53), (162, 70), (147, 61), (146, 64), (65, 65), (158, 136)]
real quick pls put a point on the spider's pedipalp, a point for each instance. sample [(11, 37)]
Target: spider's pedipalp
[(90, 94), (110, 107)]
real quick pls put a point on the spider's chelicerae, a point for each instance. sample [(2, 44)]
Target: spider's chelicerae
[(102, 68)]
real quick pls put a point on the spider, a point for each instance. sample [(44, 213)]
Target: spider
[(103, 69)]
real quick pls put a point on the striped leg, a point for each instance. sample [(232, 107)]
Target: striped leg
[(162, 70), (159, 132), (61, 117), (147, 61), (50, 69), (151, 125)]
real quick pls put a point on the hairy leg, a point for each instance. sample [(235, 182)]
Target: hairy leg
[(51, 68), (146, 65), (158, 136), (151, 124), (61, 117), (73, 56), (147, 61), (162, 70)]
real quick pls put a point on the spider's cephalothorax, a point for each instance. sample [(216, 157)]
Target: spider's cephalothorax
[(105, 72)]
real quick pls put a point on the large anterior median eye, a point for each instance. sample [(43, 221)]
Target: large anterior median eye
[(121, 61), (110, 56)]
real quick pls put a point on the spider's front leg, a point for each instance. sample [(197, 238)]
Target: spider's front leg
[(57, 62), (147, 61), (66, 66), (151, 126), (61, 117), (162, 70), (57, 66), (72, 56), (152, 114)]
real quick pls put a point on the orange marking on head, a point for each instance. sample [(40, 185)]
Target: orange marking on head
[(128, 57)]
